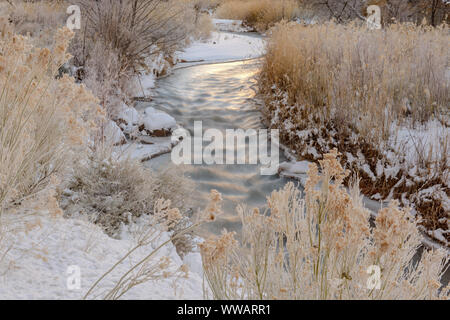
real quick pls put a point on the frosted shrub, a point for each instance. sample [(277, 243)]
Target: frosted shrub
[(44, 119), (321, 246), (120, 41), (137, 29), (110, 192), (148, 268)]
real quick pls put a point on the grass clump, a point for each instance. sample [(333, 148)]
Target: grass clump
[(111, 192), (259, 14), (321, 246), (45, 119)]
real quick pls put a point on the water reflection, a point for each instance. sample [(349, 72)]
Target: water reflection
[(222, 95)]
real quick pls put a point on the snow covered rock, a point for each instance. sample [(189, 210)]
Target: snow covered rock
[(294, 169), (127, 118), (157, 123), (113, 134)]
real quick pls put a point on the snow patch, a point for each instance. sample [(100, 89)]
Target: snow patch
[(157, 120), (43, 248)]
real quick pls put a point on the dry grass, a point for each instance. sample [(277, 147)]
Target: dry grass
[(259, 14), (44, 119), (353, 77), (345, 86), (322, 247), (111, 192), (164, 219), (38, 19)]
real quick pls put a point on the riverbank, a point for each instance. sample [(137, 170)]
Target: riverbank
[(384, 112)]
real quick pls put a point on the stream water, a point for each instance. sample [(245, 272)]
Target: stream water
[(222, 96)]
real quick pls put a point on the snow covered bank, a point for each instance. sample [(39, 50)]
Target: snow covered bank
[(44, 251), (150, 130), (411, 167), (223, 47), (149, 133)]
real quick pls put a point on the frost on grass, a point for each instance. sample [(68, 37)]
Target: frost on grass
[(320, 246), (379, 97), (46, 119)]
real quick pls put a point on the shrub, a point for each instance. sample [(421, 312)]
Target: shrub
[(137, 29), (120, 40), (110, 192), (44, 119), (362, 91), (322, 247)]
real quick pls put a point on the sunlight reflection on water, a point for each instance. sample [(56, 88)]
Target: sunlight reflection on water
[(222, 96)]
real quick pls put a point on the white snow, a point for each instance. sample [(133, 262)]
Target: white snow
[(157, 64), (222, 47), (129, 114), (366, 168), (157, 120), (42, 248), (128, 117), (429, 140), (144, 152), (439, 235)]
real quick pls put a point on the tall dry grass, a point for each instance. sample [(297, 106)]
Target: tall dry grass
[(321, 246), (110, 192), (345, 86), (44, 119), (259, 14), (358, 78), (38, 19)]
